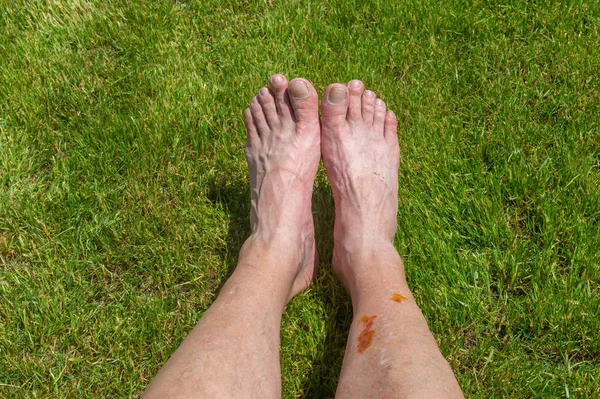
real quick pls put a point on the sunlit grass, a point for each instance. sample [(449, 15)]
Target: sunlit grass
[(124, 197)]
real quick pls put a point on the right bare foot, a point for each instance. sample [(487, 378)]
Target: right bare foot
[(359, 146), (390, 352)]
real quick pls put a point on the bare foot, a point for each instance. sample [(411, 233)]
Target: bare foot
[(361, 154), (390, 349), (283, 151)]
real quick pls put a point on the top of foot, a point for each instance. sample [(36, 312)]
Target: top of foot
[(283, 151), (361, 154)]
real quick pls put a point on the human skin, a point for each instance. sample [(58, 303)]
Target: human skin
[(390, 351), (234, 349)]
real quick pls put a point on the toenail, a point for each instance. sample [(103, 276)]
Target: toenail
[(336, 96), (264, 91), (355, 84), (299, 89), (379, 101), (254, 100), (369, 94), (277, 79), (391, 115)]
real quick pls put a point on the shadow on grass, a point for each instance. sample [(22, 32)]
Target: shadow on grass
[(233, 196), (326, 366)]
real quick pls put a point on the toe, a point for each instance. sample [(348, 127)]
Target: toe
[(267, 101), (356, 88), (334, 106), (279, 86), (379, 118), (304, 100), (368, 106), (250, 128), (259, 117), (390, 128)]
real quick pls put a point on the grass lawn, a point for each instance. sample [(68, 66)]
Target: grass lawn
[(124, 198)]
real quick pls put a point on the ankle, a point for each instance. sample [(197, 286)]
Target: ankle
[(268, 268), (283, 249), (355, 248), (369, 266)]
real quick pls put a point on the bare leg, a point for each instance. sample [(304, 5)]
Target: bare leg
[(390, 350), (234, 349)]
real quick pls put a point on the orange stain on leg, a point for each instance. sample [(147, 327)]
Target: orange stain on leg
[(365, 339), (398, 298)]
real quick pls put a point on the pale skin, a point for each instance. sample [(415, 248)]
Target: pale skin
[(234, 349)]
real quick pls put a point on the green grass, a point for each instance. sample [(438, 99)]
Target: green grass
[(124, 198)]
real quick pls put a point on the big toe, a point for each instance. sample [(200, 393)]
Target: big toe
[(304, 100), (334, 105)]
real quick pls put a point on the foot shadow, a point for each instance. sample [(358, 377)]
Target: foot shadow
[(232, 195), (325, 368)]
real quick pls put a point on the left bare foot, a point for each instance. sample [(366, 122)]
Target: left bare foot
[(283, 151)]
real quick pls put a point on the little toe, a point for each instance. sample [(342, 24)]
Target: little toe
[(259, 117), (251, 131), (267, 101), (356, 88), (390, 128), (379, 117), (368, 106), (304, 101), (279, 86)]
